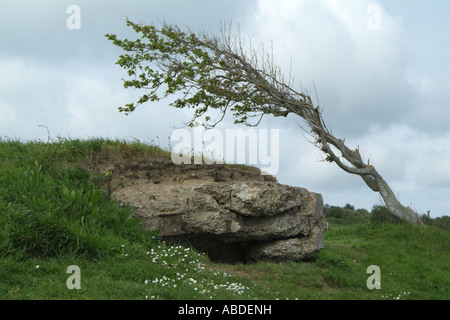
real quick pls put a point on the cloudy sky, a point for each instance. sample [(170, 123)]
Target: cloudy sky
[(381, 71)]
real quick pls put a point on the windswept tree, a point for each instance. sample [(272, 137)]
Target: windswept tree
[(209, 72)]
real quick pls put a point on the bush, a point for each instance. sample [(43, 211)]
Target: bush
[(426, 219), (336, 212), (48, 215), (442, 222), (362, 212), (349, 207), (439, 222), (380, 215)]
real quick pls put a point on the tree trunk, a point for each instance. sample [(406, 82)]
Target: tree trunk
[(394, 206), (367, 172)]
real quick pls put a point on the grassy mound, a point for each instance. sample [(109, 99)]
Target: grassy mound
[(54, 213)]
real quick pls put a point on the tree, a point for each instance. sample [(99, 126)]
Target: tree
[(218, 73), (349, 206)]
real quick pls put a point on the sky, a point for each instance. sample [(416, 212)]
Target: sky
[(380, 70)]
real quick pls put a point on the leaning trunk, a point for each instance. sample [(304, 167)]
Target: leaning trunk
[(366, 171), (394, 206)]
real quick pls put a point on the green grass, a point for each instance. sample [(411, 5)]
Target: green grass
[(54, 214)]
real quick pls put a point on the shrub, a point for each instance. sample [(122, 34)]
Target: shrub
[(426, 219), (380, 215), (362, 212), (349, 207), (48, 215), (336, 212), (439, 222)]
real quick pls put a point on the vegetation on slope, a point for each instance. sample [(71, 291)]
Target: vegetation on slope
[(54, 213)]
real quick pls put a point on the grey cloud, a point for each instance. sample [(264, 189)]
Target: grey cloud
[(37, 30), (359, 73)]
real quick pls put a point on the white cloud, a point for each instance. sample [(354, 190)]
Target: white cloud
[(76, 101), (414, 164), (359, 72), (431, 105), (436, 173), (29, 95)]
